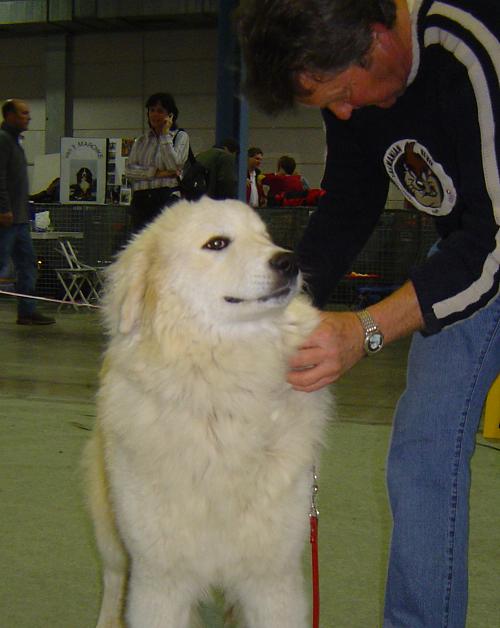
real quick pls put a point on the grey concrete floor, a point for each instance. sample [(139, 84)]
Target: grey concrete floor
[(48, 562)]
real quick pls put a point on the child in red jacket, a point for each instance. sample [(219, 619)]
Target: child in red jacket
[(283, 181)]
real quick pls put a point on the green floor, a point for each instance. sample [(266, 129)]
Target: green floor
[(50, 571)]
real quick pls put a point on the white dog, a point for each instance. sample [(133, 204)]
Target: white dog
[(199, 470)]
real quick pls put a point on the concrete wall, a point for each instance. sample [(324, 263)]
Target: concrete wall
[(113, 73), (22, 73)]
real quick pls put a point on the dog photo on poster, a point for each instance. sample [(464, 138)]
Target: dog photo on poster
[(83, 170)]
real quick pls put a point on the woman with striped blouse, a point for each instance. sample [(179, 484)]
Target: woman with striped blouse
[(156, 161)]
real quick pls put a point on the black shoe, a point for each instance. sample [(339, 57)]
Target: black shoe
[(35, 319)]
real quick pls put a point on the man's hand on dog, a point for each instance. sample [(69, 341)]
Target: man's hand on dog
[(330, 351), (337, 343)]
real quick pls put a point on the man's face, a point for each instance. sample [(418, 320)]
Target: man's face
[(380, 83), (20, 118), (255, 161)]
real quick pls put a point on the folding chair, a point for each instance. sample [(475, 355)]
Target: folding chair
[(98, 278), (81, 283)]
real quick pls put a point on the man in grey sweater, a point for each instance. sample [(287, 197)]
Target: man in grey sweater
[(220, 161), (15, 233)]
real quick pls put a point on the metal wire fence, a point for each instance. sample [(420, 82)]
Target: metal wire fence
[(97, 232), (401, 239)]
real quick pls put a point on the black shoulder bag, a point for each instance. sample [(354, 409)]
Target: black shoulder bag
[(194, 181)]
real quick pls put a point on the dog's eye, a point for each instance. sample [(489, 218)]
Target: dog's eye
[(217, 243)]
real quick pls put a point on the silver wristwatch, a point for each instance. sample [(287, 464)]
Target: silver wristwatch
[(374, 338)]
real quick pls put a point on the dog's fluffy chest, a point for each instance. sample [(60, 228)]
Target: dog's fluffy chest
[(220, 448), (233, 418), (244, 400), (212, 419)]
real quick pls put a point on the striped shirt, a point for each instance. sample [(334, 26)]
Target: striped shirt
[(151, 153), (439, 145)]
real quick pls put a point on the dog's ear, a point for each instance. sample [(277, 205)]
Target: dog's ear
[(127, 282)]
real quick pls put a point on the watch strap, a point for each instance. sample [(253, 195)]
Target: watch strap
[(369, 325), (374, 339)]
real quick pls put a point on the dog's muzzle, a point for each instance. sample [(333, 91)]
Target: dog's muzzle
[(285, 265)]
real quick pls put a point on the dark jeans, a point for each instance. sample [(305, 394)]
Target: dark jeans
[(148, 204), (15, 243)]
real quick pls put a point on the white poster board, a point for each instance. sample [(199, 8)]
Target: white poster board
[(83, 170)]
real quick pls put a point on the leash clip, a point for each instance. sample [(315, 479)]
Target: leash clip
[(313, 521), (314, 512)]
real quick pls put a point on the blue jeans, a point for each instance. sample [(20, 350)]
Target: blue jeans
[(16, 243), (428, 471)]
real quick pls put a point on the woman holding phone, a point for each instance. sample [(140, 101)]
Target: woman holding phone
[(156, 160)]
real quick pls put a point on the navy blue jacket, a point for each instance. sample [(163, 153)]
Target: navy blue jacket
[(439, 145)]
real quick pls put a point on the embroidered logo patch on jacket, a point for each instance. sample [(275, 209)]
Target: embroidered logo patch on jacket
[(421, 179)]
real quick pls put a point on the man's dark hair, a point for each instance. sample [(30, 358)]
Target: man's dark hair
[(231, 145), (287, 163), (254, 150), (281, 38), (166, 101), (9, 106)]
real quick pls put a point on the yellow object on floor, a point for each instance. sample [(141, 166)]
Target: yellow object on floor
[(491, 427)]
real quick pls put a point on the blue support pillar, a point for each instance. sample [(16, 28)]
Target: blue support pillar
[(227, 73), (243, 141), (232, 108)]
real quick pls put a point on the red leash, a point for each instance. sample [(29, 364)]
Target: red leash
[(313, 521)]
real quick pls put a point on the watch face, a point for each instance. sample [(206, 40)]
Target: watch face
[(374, 342)]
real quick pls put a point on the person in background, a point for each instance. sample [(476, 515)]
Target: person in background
[(255, 192), (285, 180), (15, 230), (409, 93), (220, 163), (156, 161)]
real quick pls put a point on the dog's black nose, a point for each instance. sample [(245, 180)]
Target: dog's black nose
[(285, 264)]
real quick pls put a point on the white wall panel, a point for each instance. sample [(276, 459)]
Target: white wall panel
[(22, 81), (109, 113), (312, 172), (114, 73), (180, 45), (107, 132), (109, 47), (197, 111), (194, 76), (18, 51), (303, 146), (201, 139), (33, 144), (37, 108), (300, 117), (107, 79)]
